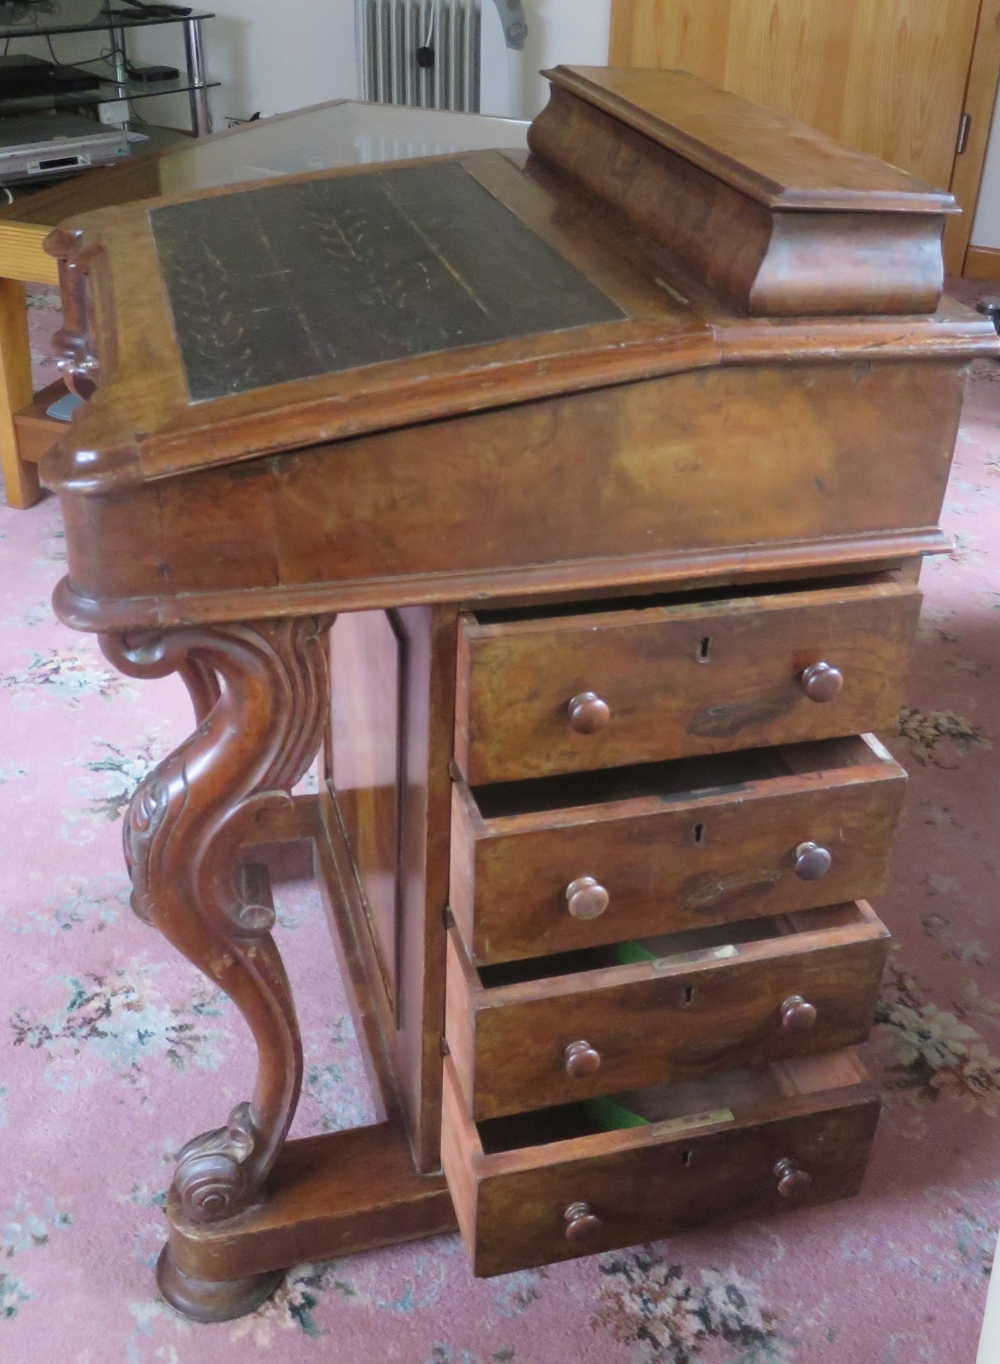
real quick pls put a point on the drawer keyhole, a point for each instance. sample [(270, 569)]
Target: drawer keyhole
[(699, 835), (687, 1156), (687, 998), (705, 649)]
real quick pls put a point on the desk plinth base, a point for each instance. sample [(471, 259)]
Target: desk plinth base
[(209, 1302), (327, 1196)]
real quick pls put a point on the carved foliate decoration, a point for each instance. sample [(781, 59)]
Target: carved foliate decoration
[(211, 1173), (261, 696)]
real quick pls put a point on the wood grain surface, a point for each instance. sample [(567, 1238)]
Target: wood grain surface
[(409, 1017), (887, 80), (846, 462), (788, 262), (697, 1009), (666, 698), (676, 846), (648, 1182), (142, 424), (779, 162)]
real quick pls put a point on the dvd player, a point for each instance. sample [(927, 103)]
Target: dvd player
[(58, 144)]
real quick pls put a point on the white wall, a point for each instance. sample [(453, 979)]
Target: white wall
[(273, 57), (572, 31), (986, 228), (269, 57)]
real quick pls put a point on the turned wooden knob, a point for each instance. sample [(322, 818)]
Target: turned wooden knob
[(821, 681), (588, 713), (797, 1014), (581, 1223), (811, 862), (581, 1059), (792, 1179), (586, 898)]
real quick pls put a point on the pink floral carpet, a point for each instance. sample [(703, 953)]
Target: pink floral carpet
[(113, 1051)]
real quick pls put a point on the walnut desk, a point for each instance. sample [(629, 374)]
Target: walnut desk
[(593, 486)]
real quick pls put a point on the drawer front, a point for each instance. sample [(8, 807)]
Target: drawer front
[(535, 883), (544, 1204), (576, 693), (537, 1043)]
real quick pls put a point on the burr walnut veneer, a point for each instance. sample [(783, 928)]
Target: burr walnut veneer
[(571, 505)]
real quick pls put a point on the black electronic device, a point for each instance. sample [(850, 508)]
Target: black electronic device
[(152, 73), (22, 76)]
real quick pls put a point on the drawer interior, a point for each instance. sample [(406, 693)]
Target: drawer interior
[(678, 779), (736, 1096), (681, 950), (639, 602)]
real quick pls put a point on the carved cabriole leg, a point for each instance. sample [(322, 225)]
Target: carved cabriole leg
[(261, 697)]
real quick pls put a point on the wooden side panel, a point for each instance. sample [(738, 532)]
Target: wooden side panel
[(674, 864), (413, 1021), (654, 1025), (623, 473), (684, 680), (20, 479), (429, 635), (366, 680)]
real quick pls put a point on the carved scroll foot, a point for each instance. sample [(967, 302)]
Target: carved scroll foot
[(204, 1300), (261, 697)]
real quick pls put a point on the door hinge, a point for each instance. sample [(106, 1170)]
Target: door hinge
[(964, 125)]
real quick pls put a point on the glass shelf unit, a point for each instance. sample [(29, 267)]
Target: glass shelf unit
[(48, 18), (108, 91), (23, 19)]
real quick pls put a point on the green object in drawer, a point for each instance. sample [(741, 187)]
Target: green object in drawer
[(610, 1116), (628, 953)]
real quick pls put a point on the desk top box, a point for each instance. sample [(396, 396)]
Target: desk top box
[(682, 335)]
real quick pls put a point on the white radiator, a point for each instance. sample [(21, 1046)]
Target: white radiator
[(429, 53)]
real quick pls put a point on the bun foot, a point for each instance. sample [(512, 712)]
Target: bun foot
[(212, 1301)]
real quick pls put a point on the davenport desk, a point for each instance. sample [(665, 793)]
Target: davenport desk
[(573, 505)]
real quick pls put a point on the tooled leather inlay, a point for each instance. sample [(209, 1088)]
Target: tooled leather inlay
[(296, 280)]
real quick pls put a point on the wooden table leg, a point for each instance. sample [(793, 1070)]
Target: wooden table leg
[(257, 734), (20, 479)]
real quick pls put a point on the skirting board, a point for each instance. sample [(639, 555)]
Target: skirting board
[(982, 262)]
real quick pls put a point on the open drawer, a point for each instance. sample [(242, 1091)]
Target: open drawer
[(565, 862), (538, 695), (530, 1034), (554, 1185)]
